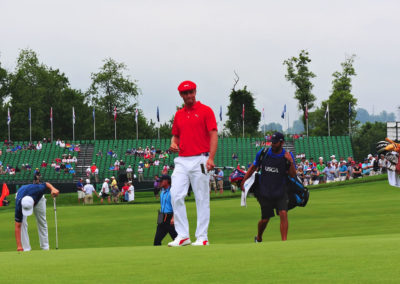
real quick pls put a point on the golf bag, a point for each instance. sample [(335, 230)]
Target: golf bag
[(298, 194)]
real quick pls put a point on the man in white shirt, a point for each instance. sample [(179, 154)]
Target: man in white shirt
[(96, 175), (382, 164), (129, 172), (88, 171), (105, 191), (140, 172), (213, 184), (89, 189), (131, 192), (371, 161), (116, 165), (39, 146)]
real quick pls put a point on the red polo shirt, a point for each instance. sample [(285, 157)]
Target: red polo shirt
[(192, 126)]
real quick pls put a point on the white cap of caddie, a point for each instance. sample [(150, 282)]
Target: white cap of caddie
[(27, 205)]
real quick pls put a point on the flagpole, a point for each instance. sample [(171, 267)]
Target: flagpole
[(220, 122), (288, 123), (30, 125), (329, 125), (94, 125), (243, 119), (137, 124), (158, 130), (307, 126), (307, 119), (158, 120), (8, 122), (349, 119), (115, 122), (73, 124), (264, 121), (349, 127), (51, 125)]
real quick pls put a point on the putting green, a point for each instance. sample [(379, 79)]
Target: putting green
[(345, 234)]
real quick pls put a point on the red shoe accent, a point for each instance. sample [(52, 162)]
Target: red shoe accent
[(183, 241), (205, 243)]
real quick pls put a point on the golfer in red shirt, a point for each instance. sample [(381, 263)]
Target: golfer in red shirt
[(195, 137)]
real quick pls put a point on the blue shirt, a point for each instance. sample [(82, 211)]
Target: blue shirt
[(165, 200), (365, 170), (79, 185), (330, 173), (35, 191), (220, 175), (269, 151), (343, 169)]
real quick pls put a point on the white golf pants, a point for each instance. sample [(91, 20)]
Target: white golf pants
[(188, 170), (40, 213)]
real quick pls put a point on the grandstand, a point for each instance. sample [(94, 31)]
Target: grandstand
[(244, 148), (324, 146), (35, 158)]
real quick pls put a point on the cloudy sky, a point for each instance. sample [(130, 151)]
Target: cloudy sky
[(166, 42)]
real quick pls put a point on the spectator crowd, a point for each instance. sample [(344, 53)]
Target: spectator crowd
[(315, 172)]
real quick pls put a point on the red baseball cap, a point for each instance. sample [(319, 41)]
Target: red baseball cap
[(186, 86)]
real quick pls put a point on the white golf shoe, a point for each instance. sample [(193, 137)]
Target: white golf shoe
[(200, 242), (180, 242)]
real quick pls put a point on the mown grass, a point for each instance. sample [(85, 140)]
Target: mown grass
[(345, 234)]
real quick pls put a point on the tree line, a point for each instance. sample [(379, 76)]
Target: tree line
[(39, 87), (35, 85)]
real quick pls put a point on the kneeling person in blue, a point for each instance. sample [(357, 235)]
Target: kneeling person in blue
[(165, 224), (275, 165), (30, 198)]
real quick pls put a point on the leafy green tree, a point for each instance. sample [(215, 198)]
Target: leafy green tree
[(300, 76), (39, 87), (340, 99), (317, 122), (365, 139), (111, 88), (252, 116), (4, 89), (3, 84)]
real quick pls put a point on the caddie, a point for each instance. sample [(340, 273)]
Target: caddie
[(30, 198), (195, 137), (276, 165)]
